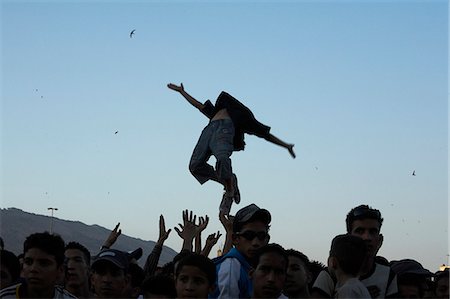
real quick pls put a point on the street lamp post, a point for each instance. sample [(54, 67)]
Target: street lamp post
[(51, 221)]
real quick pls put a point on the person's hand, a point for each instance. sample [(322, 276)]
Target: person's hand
[(188, 229), (202, 224), (212, 239), (291, 150), (163, 233), (112, 238), (176, 87), (227, 222)]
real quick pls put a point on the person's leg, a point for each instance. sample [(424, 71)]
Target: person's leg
[(221, 145), (198, 165)]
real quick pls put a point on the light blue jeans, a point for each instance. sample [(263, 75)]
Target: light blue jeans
[(216, 139)]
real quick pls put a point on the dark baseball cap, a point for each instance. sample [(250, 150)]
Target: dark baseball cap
[(409, 266), (119, 258), (136, 254), (249, 213)]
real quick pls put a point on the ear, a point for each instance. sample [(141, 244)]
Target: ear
[(235, 239), (380, 241), (127, 278), (309, 276), (212, 288), (61, 271), (332, 262)]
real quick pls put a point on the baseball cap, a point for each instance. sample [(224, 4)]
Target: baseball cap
[(136, 254), (117, 257), (249, 213), (409, 266)]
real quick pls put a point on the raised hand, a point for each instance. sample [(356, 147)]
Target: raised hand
[(202, 224), (163, 233), (176, 87), (212, 239), (227, 222), (187, 230), (112, 238), (210, 242)]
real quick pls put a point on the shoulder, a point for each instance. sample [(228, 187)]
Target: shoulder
[(324, 284), (10, 292)]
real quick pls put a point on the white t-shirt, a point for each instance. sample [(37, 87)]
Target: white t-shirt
[(12, 292), (352, 288), (382, 277)]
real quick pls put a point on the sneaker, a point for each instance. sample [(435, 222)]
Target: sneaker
[(237, 194), (225, 204)]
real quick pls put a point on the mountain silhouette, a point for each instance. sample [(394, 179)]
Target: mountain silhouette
[(16, 225)]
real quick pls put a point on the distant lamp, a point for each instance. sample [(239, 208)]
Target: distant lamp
[(51, 218)]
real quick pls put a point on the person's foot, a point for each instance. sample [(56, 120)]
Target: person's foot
[(236, 194), (225, 204)]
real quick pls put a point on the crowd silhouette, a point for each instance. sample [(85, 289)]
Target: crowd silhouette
[(249, 266)]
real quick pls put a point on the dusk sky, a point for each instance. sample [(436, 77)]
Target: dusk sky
[(360, 88)]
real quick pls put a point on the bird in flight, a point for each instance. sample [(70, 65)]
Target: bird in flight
[(116, 132), (414, 173), (132, 32)]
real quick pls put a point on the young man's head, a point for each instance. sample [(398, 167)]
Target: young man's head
[(78, 261), (43, 263), (365, 222), (298, 274), (412, 278), (251, 230), (110, 273), (9, 268), (195, 276), (347, 254), (269, 275), (441, 284), (137, 275)]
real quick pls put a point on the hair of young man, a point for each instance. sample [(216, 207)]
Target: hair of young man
[(169, 267), (272, 248), (300, 255), (202, 262), (159, 285), (11, 262), (76, 245), (350, 252), (51, 244), (362, 212), (237, 226)]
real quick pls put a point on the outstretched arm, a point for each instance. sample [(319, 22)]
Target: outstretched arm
[(112, 238), (277, 141), (187, 96)]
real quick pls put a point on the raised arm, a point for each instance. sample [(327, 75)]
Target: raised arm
[(153, 258), (112, 238), (187, 96), (227, 222), (277, 141)]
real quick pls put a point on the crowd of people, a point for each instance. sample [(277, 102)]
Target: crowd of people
[(249, 266)]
